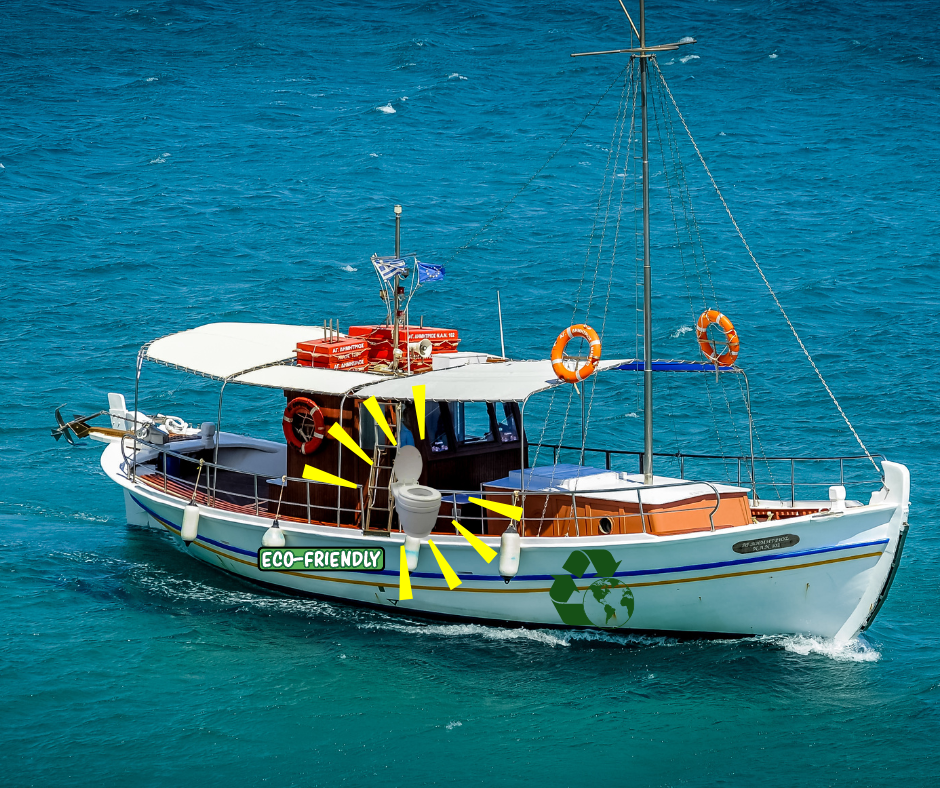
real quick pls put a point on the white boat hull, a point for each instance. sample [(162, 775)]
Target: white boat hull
[(828, 582)]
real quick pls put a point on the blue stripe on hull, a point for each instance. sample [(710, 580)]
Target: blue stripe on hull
[(631, 573)]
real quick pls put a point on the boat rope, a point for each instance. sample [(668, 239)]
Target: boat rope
[(613, 153), (761, 271), (538, 172), (622, 176), (694, 234), (597, 210), (659, 112)]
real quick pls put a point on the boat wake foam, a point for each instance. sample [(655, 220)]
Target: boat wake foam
[(548, 637), (681, 331), (856, 650), (543, 636)]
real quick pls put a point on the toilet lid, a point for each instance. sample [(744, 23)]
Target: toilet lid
[(408, 465)]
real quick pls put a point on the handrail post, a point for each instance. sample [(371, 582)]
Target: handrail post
[(792, 482), (257, 502), (607, 458), (639, 500), (164, 471), (574, 511), (711, 514), (308, 502)]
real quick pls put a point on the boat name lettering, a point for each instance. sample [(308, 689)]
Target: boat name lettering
[(767, 543), (323, 559)]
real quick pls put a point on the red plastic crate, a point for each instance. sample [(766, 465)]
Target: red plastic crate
[(443, 340), (356, 361)]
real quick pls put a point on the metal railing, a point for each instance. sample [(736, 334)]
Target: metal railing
[(214, 494), (742, 465)]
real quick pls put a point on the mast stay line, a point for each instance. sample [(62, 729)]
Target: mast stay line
[(761, 271)]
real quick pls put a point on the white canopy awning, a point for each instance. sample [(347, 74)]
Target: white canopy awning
[(221, 350), (308, 379), (509, 381)]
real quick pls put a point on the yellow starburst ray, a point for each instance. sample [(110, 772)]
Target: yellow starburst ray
[(505, 509), (375, 410), (316, 475), (418, 392), (404, 579), (345, 438), (449, 574), (486, 552)]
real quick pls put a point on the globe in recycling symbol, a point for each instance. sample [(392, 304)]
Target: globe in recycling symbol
[(607, 602)]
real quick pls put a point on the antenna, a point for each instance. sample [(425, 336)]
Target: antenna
[(502, 344)]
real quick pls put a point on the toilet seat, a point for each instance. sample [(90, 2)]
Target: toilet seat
[(417, 497)]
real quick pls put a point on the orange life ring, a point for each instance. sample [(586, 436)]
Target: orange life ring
[(574, 375), (713, 317), (303, 425)]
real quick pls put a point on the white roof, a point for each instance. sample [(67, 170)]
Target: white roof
[(308, 379), (220, 350), (506, 381)]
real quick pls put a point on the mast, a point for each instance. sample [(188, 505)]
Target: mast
[(644, 52), (647, 273)]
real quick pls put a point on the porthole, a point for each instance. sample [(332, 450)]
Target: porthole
[(605, 525)]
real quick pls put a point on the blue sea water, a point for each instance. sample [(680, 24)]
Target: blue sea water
[(168, 164)]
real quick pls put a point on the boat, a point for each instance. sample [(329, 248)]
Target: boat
[(406, 480)]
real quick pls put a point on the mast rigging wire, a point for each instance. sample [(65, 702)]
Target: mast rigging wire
[(524, 186), (761, 271)]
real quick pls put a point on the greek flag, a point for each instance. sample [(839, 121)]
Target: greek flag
[(389, 267), (429, 273)]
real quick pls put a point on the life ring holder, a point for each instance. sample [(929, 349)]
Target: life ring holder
[(712, 317), (583, 331), (306, 442)]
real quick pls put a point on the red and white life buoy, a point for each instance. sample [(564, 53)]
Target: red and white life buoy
[(303, 425), (712, 317)]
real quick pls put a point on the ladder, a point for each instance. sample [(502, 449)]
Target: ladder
[(380, 477)]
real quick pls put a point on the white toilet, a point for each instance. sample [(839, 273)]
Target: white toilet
[(416, 504)]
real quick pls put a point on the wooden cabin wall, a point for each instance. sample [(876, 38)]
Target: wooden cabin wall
[(323, 497), (558, 517)]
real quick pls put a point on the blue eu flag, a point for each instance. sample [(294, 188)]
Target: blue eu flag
[(429, 273)]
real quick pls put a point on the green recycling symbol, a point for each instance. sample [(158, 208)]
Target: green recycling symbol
[(607, 602)]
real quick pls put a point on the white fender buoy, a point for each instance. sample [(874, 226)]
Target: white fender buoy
[(412, 547), (273, 537), (510, 548), (190, 527)]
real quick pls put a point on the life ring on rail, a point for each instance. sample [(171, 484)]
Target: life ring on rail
[(713, 317), (303, 425), (558, 353)]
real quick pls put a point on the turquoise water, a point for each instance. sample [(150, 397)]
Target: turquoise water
[(168, 164)]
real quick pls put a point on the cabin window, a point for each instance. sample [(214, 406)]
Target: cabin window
[(435, 428), (368, 429), (508, 429), (472, 422)]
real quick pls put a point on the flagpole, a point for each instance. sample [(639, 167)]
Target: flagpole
[(395, 349)]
